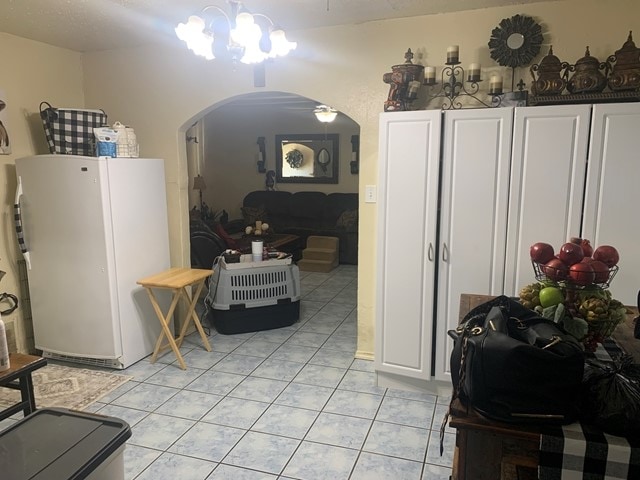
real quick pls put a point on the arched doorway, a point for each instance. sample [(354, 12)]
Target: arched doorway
[(232, 151)]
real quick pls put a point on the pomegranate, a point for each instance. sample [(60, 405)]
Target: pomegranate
[(601, 271), (570, 253), (607, 255), (555, 269), (541, 252), (581, 273)]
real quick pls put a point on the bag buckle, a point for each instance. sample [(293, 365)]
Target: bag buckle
[(460, 329), (554, 340), (520, 325)]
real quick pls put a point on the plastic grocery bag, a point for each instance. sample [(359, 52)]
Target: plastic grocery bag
[(611, 396)]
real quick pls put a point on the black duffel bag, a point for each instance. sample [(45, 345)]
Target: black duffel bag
[(513, 365)]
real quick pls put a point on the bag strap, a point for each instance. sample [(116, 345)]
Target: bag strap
[(465, 332), (49, 107)]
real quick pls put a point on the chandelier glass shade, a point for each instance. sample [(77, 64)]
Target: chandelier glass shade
[(247, 40), (325, 114)]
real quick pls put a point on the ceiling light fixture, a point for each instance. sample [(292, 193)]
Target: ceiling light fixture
[(244, 38), (325, 114)]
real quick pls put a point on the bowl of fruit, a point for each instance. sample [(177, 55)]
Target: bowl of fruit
[(576, 265), (572, 289)]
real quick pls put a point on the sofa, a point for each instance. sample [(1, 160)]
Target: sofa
[(308, 213)]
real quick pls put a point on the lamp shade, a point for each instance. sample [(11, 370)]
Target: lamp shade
[(199, 183), (325, 114)]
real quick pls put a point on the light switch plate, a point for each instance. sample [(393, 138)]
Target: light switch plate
[(370, 194)]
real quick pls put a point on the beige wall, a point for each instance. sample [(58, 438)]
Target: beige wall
[(31, 72), (160, 91), (231, 152)]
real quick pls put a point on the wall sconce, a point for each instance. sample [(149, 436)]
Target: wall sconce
[(262, 155), (355, 154), (453, 86), (200, 185), (244, 38), (325, 114)]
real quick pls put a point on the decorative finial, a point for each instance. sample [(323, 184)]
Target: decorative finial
[(408, 56)]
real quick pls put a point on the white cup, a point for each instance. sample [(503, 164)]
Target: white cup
[(256, 250)]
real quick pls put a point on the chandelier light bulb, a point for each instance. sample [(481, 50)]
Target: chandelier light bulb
[(280, 46), (194, 35)]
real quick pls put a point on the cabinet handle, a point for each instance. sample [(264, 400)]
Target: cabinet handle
[(430, 252), (445, 253)]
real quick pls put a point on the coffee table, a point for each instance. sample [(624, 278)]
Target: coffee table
[(18, 377), (283, 242)]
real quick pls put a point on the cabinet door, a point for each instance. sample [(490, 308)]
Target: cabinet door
[(473, 215), (407, 210), (547, 183), (612, 194)]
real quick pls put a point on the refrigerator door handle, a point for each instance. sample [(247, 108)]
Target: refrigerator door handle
[(17, 218)]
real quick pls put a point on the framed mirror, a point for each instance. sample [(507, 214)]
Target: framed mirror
[(307, 158), (515, 41)]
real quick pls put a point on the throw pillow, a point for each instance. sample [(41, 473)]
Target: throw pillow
[(251, 214), (348, 219)]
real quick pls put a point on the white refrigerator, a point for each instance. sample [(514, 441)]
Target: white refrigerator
[(92, 227)]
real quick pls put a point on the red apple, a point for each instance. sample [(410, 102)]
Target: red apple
[(555, 270), (581, 273), (587, 260), (587, 249), (541, 252), (571, 253), (601, 271), (607, 255)]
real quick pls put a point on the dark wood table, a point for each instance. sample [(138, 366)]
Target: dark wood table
[(282, 242), (18, 377), (490, 450)]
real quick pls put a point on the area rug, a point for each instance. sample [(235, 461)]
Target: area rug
[(66, 387)]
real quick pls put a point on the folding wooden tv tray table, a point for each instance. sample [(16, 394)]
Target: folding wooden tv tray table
[(177, 280)]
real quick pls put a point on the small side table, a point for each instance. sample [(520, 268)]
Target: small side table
[(18, 377), (177, 280)]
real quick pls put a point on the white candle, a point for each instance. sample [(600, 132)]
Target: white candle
[(452, 53), (495, 84), (430, 74), (474, 72)]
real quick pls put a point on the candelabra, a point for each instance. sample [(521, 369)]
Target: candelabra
[(452, 83)]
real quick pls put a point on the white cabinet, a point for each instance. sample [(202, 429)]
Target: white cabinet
[(575, 173), (407, 209), (473, 215), (441, 232), (463, 195), (547, 184), (612, 194)]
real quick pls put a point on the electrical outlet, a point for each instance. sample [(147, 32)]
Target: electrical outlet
[(370, 194)]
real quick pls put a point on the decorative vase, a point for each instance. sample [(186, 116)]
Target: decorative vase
[(587, 77), (549, 80), (625, 74)]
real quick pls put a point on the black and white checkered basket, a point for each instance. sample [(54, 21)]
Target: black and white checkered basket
[(70, 130)]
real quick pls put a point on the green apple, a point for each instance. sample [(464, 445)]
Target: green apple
[(550, 296)]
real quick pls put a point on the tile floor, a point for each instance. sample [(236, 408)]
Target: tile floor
[(289, 403)]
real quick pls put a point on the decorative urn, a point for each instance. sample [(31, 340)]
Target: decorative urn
[(549, 80), (625, 74), (587, 77), (404, 79)]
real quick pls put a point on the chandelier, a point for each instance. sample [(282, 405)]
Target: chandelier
[(325, 114), (244, 37)]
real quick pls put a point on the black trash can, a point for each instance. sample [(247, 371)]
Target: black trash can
[(61, 444)]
